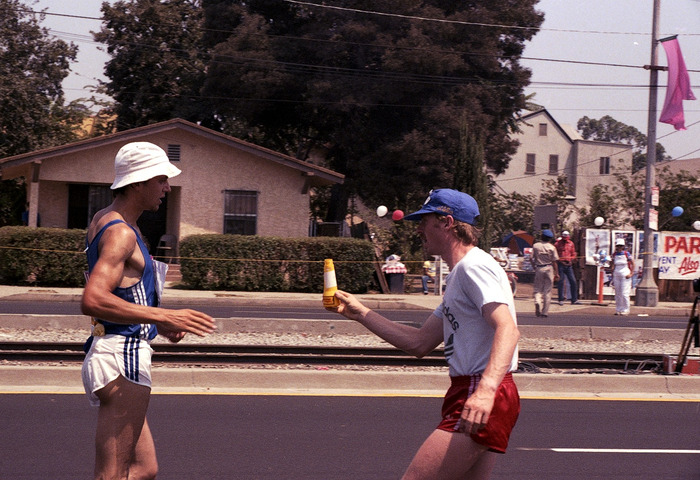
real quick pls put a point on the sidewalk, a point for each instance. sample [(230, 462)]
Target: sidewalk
[(175, 296)]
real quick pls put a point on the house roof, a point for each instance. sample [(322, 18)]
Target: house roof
[(568, 131), (691, 165), (318, 176), (565, 132)]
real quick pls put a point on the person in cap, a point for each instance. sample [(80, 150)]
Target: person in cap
[(567, 255), (122, 296), (544, 261), (623, 266), (476, 321)]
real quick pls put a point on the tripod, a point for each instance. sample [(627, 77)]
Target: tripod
[(691, 332)]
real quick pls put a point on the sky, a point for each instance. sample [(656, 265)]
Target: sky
[(615, 33)]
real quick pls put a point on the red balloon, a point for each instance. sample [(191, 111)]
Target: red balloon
[(397, 215)]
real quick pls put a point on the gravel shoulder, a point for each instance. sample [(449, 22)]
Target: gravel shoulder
[(664, 346)]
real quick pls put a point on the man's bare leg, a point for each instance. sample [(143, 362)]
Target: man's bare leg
[(120, 425), (448, 456), (145, 464)]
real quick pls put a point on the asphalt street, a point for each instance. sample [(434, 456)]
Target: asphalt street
[(337, 437)]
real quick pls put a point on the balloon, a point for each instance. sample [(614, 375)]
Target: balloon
[(677, 211), (599, 221), (397, 215), (696, 224), (381, 210)]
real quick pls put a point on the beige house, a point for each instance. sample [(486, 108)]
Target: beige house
[(549, 149), (226, 184)]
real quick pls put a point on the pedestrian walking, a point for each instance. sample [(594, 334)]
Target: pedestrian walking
[(476, 321), (544, 261)]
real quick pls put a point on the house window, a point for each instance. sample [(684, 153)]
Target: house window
[(605, 165), (240, 212), (553, 164), (530, 163), (174, 153), (543, 129)]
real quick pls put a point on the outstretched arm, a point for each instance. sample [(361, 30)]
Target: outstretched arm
[(415, 341), (117, 248)]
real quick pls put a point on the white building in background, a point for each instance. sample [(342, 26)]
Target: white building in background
[(549, 149)]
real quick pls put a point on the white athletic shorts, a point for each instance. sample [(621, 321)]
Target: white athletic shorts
[(113, 355)]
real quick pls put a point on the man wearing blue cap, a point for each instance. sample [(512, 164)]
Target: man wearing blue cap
[(476, 321), (544, 261)]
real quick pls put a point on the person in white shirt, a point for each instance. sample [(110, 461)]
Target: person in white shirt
[(477, 323)]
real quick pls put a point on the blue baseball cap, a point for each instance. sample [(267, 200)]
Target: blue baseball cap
[(547, 233), (445, 201)]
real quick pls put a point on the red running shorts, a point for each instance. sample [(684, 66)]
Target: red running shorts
[(506, 409)]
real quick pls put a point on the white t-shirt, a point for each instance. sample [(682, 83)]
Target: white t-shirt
[(475, 281)]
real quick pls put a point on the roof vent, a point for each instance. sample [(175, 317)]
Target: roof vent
[(174, 153)]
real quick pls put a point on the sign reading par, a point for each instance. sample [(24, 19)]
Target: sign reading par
[(679, 256)]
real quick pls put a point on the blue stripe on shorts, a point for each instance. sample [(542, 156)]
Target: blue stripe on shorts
[(131, 358)]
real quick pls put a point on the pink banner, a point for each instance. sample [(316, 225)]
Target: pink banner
[(678, 85)]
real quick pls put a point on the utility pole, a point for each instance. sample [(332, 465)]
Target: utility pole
[(647, 292)]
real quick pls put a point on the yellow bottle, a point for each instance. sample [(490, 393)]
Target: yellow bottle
[(330, 285)]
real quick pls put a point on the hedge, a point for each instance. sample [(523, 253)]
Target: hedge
[(251, 263), (55, 257), (42, 256)]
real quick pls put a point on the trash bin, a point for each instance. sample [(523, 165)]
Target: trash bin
[(395, 282)]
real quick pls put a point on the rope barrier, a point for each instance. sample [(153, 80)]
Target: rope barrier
[(219, 259), (82, 252)]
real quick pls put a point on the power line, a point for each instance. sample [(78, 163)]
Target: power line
[(301, 68), (397, 76), (88, 39), (370, 12), (461, 22)]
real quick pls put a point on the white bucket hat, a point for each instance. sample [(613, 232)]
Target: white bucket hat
[(139, 162)]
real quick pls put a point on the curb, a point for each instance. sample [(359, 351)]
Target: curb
[(67, 380), (174, 297)]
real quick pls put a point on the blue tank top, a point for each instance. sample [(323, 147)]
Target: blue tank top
[(142, 292)]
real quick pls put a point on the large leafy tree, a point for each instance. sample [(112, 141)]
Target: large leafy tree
[(32, 67), (511, 212), (13, 195), (677, 189), (158, 65), (383, 95), (607, 129), (469, 176)]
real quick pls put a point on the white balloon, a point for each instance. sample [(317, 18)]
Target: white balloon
[(381, 210), (599, 221), (696, 224)]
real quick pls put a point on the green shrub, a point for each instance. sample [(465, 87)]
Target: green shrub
[(55, 257), (42, 256), (251, 263)]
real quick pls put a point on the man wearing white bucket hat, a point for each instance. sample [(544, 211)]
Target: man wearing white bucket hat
[(122, 295)]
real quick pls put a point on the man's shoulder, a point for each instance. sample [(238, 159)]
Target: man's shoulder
[(113, 226)]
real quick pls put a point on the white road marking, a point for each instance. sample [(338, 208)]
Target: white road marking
[(615, 450)]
